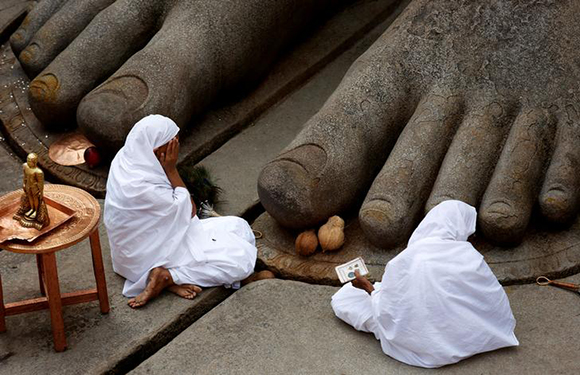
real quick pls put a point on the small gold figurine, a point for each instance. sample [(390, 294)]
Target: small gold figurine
[(32, 212)]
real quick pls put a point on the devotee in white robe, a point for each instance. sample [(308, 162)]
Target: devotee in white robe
[(151, 223), (438, 301)]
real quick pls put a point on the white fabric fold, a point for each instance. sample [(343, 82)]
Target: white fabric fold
[(150, 224), (438, 301)]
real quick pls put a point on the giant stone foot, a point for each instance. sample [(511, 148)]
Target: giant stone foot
[(111, 62), (470, 100)]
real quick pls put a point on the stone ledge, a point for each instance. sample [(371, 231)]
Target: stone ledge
[(287, 327)]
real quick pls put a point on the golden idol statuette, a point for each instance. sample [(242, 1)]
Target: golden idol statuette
[(32, 212)]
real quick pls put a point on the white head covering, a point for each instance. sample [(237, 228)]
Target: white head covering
[(438, 301), (146, 219), (450, 220), (136, 161)]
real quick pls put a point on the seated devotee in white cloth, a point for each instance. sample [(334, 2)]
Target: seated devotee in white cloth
[(438, 301), (156, 239)]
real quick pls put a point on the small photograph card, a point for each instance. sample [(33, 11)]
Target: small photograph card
[(345, 271)]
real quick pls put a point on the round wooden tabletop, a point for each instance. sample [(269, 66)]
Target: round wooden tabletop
[(80, 226)]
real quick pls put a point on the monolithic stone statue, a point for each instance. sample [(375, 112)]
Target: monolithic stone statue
[(120, 60), (32, 212), (470, 100)]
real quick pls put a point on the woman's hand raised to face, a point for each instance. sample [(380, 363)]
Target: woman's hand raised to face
[(168, 157)]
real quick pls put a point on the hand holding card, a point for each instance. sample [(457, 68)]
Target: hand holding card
[(361, 282), (346, 271)]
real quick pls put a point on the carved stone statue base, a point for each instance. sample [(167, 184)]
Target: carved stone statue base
[(554, 253)]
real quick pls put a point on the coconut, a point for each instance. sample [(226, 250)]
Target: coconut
[(331, 234), (306, 243)]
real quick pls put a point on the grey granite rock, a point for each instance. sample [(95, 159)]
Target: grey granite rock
[(201, 137), (285, 327), (503, 73), (171, 57), (11, 168)]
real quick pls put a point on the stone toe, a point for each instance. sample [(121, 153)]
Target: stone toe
[(288, 186), (107, 114), (501, 223), (383, 224)]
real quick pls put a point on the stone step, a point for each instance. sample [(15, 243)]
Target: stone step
[(10, 168), (288, 327)]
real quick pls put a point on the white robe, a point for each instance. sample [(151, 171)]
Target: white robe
[(149, 223), (438, 301)]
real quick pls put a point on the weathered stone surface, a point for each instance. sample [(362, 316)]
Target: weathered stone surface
[(204, 135), (96, 343), (45, 36), (10, 164), (237, 164), (543, 252), (131, 45), (285, 327), (497, 81), (11, 168), (11, 14)]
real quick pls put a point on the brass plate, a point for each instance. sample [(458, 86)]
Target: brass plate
[(86, 218), (69, 150), (11, 229)]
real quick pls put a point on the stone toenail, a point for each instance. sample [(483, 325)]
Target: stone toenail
[(29, 54), (45, 88), (312, 158), (18, 35), (500, 216), (556, 199), (373, 220), (382, 224), (378, 212), (501, 209), (557, 192), (130, 90)]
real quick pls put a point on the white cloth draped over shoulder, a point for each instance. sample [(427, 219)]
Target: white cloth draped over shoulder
[(438, 301), (150, 224)]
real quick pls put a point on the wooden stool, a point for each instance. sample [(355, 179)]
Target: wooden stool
[(84, 224)]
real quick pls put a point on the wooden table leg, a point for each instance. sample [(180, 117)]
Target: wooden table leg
[(99, 270), (2, 316), (54, 301), (40, 274)]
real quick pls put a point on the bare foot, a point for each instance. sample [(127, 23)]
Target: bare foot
[(187, 291), (159, 279), (262, 275)]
